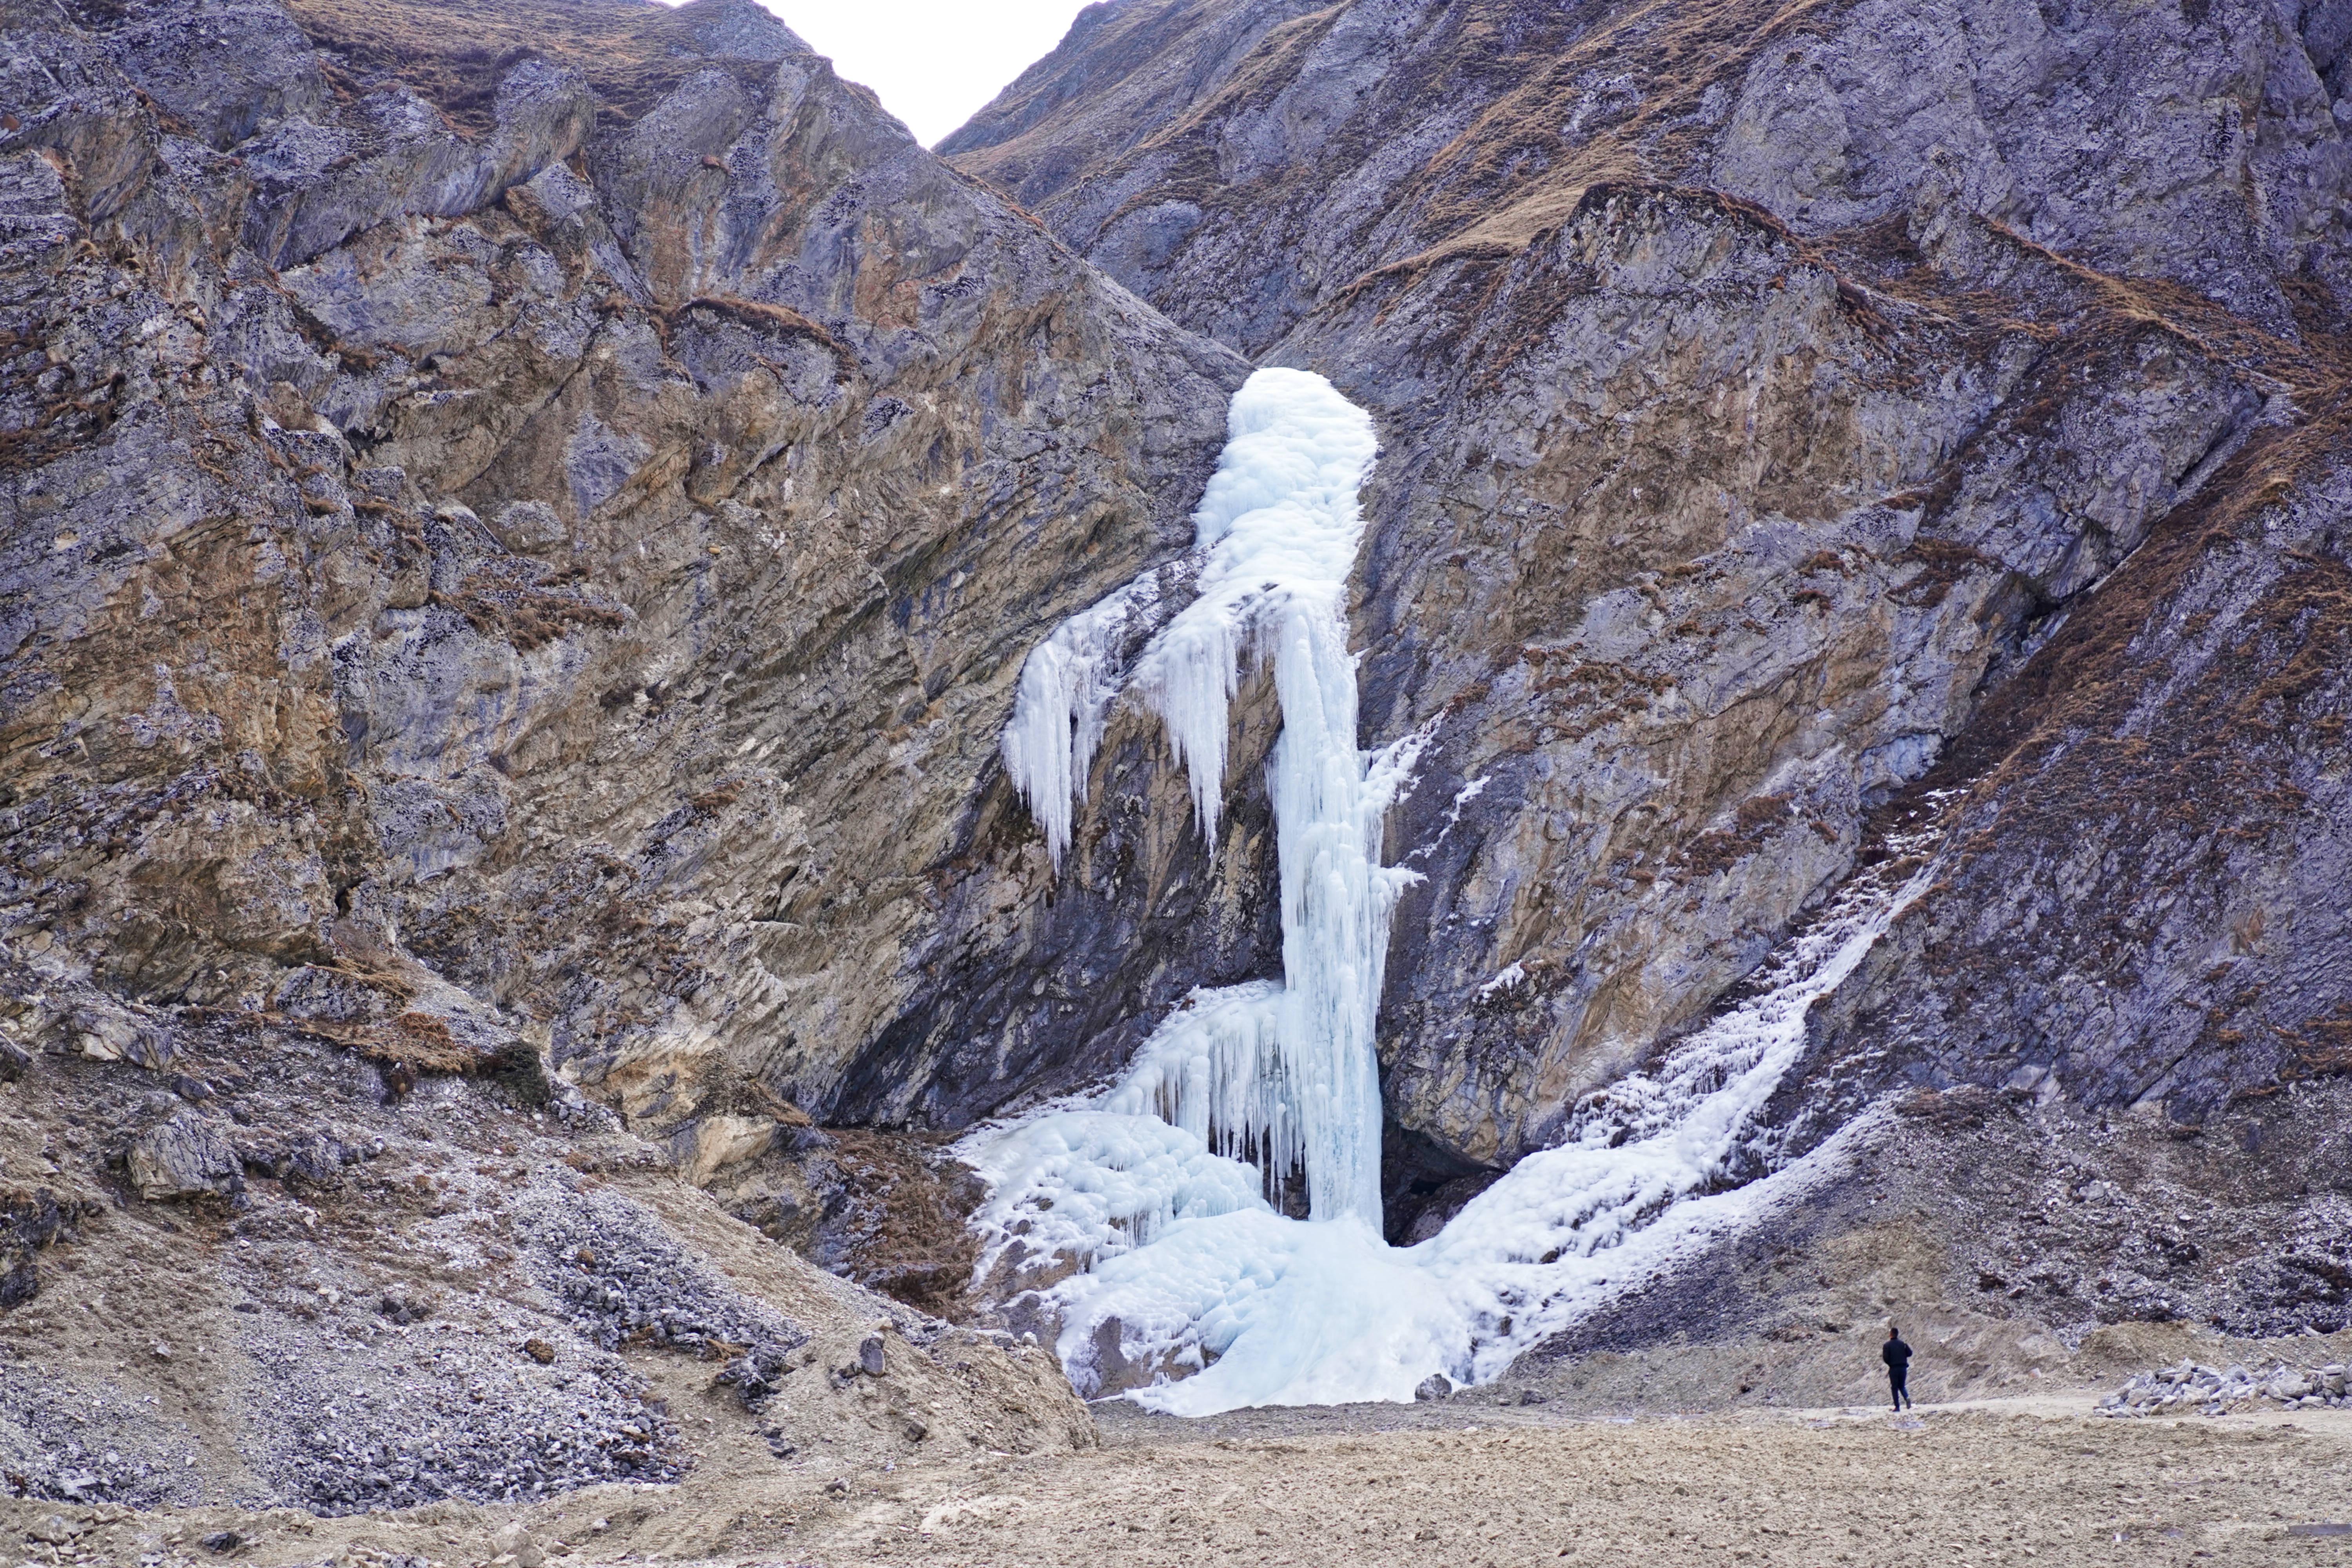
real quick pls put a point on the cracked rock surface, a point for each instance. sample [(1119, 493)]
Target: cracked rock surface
[(527, 551)]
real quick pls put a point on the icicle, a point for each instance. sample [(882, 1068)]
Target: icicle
[(1336, 903), (1063, 704), (1279, 526), (1215, 1068)]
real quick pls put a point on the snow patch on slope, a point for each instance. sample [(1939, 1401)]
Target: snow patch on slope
[(1510, 976)]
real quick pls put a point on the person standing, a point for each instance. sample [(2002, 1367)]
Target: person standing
[(1897, 1357)]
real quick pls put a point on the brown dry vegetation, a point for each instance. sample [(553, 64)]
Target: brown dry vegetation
[(2075, 695)]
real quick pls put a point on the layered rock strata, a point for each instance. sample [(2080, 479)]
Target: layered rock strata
[(528, 548), (521, 526)]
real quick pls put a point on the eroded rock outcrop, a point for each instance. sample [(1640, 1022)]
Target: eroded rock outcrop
[(273, 1281)]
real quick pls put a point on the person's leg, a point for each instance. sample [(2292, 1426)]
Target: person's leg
[(1894, 1386)]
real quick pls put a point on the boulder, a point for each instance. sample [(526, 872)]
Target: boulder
[(187, 1156)]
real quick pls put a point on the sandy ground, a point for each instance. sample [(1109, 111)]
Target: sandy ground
[(2023, 1480)]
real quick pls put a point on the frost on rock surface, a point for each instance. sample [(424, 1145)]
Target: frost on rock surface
[(1158, 1187)]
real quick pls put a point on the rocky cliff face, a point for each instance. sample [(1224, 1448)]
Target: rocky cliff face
[(524, 521), (2141, 905), (522, 530), (520, 526), (1798, 424), (1245, 164)]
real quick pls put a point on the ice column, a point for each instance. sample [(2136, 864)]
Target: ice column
[(1277, 529), (1183, 1260), (1335, 902)]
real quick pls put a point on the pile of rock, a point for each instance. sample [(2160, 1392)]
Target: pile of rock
[(2188, 1387), (623, 1280)]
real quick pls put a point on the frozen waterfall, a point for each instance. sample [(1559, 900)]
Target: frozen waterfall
[(1159, 1184), (1282, 1074)]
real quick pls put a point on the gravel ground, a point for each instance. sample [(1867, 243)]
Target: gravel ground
[(453, 1328), (2011, 1481)]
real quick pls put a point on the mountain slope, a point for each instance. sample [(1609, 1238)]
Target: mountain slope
[(521, 522), (525, 521), (546, 562), (1774, 399), (1241, 164)]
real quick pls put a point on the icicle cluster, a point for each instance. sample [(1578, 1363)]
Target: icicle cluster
[(1215, 1068), (1063, 704), (1280, 526)]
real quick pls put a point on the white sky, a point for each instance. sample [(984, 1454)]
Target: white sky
[(933, 62)]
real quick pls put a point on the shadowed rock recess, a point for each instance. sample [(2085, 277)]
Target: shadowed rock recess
[(524, 519)]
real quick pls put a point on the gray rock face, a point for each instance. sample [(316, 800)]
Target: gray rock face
[(2197, 146), (1766, 414), (1242, 164), (28, 1223), (2141, 905), (521, 535), (1774, 634)]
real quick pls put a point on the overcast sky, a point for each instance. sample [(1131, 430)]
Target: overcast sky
[(932, 61)]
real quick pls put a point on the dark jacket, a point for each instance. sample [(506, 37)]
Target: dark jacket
[(1895, 1354)]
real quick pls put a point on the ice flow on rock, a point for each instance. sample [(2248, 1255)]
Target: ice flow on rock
[(1157, 1185), (1284, 1075)]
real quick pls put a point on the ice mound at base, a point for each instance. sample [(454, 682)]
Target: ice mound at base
[(1281, 1312)]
